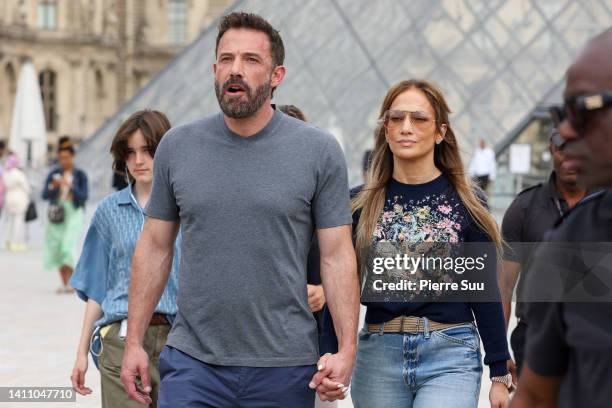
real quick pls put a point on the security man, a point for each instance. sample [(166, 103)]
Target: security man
[(533, 212), (569, 352)]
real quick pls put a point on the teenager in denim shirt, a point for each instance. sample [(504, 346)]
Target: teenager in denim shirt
[(102, 274)]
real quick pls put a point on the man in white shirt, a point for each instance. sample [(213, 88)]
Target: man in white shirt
[(483, 167)]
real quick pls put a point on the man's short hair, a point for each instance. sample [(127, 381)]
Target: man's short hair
[(254, 22), (2, 145)]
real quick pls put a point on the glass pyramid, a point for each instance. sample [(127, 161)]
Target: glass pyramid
[(495, 60)]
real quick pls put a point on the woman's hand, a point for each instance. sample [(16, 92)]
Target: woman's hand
[(499, 396), (78, 375)]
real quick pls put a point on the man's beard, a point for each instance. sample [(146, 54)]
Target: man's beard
[(236, 108)]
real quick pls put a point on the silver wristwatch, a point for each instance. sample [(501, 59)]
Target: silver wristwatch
[(504, 379)]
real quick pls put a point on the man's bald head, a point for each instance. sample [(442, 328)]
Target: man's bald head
[(591, 71), (588, 150)]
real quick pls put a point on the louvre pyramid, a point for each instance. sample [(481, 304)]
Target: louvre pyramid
[(495, 60)]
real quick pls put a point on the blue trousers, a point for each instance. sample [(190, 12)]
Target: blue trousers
[(187, 382)]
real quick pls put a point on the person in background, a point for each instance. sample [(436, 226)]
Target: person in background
[(483, 167), (66, 188), (366, 161), (532, 213), (2, 148), (292, 111), (102, 275), (17, 198), (316, 295)]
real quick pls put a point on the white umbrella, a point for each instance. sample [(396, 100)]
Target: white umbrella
[(28, 137)]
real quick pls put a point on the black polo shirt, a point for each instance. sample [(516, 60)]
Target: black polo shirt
[(571, 339), (533, 212)]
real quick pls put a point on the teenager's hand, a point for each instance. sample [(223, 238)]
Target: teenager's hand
[(78, 375)]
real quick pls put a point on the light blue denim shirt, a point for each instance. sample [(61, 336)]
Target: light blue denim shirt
[(103, 270)]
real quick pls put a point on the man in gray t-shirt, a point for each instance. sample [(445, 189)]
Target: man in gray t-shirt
[(248, 187)]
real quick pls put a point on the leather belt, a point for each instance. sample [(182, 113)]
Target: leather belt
[(411, 324), (158, 319)]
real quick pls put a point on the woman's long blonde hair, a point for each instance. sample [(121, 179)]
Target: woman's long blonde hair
[(446, 158)]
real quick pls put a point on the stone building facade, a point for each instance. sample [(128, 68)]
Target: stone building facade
[(91, 55)]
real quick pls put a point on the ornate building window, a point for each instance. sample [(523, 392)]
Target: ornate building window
[(47, 14), (48, 87), (177, 21)]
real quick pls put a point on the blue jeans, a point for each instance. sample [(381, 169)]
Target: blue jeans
[(424, 370), (188, 383)]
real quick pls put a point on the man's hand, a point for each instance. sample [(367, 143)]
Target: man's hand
[(136, 365), (499, 396), (78, 375), (334, 376), (512, 370), (316, 297)]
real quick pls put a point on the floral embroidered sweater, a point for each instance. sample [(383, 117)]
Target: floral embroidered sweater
[(433, 212)]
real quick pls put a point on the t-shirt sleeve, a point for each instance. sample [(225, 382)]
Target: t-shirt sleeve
[(162, 202), (331, 205), (90, 274), (512, 231), (546, 349)]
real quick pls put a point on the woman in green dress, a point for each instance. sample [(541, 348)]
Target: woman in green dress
[(66, 189)]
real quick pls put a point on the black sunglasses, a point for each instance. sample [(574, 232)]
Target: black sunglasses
[(577, 109)]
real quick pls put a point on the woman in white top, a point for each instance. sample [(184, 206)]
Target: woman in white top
[(17, 198)]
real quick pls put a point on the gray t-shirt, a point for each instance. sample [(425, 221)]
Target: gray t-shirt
[(248, 207)]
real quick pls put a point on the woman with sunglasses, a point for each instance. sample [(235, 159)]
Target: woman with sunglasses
[(424, 354)]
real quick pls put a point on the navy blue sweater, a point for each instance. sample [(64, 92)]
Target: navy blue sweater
[(443, 218)]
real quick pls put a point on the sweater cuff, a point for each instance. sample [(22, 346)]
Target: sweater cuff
[(498, 369)]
